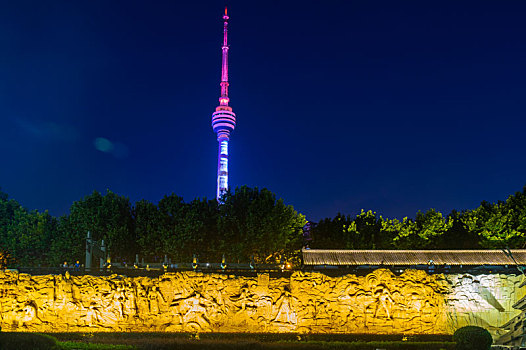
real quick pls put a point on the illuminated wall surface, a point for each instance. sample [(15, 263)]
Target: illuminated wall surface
[(412, 303)]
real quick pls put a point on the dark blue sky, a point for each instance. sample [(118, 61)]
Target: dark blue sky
[(395, 106)]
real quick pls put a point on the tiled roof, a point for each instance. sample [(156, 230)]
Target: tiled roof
[(411, 257)]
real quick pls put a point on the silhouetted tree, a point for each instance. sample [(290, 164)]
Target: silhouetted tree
[(253, 222), (331, 233), (107, 217)]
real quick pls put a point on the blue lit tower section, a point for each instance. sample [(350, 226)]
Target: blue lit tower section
[(223, 119)]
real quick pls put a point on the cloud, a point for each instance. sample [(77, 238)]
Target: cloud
[(46, 130), (116, 149)]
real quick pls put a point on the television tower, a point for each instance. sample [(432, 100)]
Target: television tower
[(223, 119)]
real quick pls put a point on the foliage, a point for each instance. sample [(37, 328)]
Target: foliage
[(177, 229), (502, 224), (368, 230), (472, 338), (34, 341), (263, 341), (70, 345), (192, 228), (493, 226), (254, 345), (423, 232), (330, 233), (107, 217), (248, 223), (149, 227), (68, 243), (25, 235), (165, 337), (253, 223)]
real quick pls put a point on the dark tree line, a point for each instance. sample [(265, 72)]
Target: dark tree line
[(24, 235), (491, 225), (249, 224)]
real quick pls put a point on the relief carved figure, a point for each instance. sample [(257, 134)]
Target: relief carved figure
[(307, 302), (483, 300)]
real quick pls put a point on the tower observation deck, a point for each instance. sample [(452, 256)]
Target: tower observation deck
[(223, 119)]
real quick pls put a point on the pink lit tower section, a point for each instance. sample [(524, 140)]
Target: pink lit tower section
[(223, 119)]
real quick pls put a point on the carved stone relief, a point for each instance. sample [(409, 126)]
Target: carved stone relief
[(412, 303), (484, 300)]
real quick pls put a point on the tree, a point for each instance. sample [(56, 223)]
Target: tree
[(253, 222), (422, 233), (29, 235), (107, 217), (331, 233), (458, 235), (200, 228), (173, 210), (25, 236), (367, 231), (190, 228), (149, 229), (68, 243), (499, 225), (7, 214)]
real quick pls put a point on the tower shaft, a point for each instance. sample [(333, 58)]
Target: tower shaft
[(224, 63), (223, 119)]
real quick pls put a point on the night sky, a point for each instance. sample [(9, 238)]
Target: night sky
[(394, 106)]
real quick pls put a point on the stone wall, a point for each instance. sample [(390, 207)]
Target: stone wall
[(482, 300), (412, 303)]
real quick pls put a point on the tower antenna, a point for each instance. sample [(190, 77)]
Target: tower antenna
[(223, 119)]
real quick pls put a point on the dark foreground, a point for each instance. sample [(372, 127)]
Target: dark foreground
[(223, 341)]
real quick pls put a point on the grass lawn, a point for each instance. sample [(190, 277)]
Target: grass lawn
[(72, 345), (217, 341)]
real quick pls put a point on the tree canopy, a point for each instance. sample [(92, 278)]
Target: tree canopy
[(491, 225), (248, 224)]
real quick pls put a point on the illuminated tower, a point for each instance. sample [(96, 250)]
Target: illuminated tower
[(223, 119)]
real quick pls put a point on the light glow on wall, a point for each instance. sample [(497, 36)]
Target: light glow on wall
[(381, 302)]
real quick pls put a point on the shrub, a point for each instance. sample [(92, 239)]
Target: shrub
[(472, 338), (34, 341), (70, 345)]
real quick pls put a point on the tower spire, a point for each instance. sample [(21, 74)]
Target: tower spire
[(223, 119), (224, 64)]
